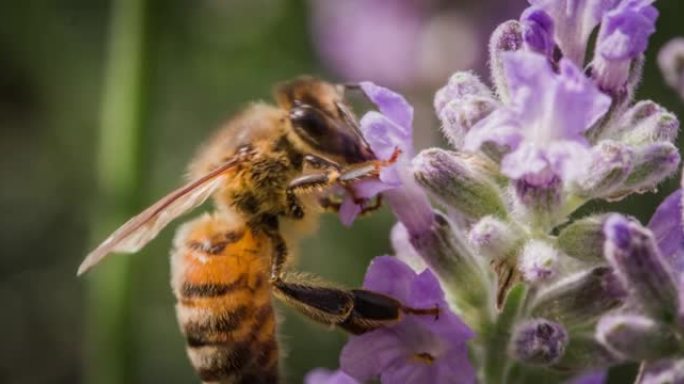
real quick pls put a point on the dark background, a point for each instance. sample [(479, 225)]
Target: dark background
[(200, 61)]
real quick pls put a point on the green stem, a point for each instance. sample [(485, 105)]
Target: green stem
[(496, 362), (109, 358)]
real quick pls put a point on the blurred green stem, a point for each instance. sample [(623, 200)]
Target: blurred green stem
[(119, 169)]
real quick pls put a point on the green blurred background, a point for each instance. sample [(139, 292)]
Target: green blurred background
[(102, 104)]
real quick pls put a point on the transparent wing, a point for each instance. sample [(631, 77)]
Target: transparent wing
[(139, 230)]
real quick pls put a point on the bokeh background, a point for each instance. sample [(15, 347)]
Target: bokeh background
[(102, 104)]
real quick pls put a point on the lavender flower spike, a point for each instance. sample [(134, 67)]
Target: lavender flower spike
[(419, 349), (632, 251), (538, 342), (623, 37)]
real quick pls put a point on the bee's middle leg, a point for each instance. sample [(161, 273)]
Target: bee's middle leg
[(357, 310)]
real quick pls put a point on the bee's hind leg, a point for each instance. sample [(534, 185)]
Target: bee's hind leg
[(356, 310)]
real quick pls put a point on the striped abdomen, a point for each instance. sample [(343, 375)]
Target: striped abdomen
[(220, 280)]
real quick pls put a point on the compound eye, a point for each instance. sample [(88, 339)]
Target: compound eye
[(326, 134), (311, 124)]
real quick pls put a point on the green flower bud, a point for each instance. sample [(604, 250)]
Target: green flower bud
[(463, 182), (584, 238)]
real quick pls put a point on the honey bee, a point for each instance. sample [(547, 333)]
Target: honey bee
[(227, 265)]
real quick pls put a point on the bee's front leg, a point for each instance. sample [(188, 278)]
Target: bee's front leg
[(356, 311)]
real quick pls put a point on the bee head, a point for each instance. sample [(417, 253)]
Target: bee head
[(322, 120)]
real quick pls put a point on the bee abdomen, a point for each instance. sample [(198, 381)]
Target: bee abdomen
[(224, 303), (236, 346)]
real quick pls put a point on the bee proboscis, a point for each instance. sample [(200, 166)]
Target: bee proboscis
[(226, 265)]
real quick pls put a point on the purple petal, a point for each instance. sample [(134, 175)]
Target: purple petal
[(391, 104), (384, 136), (368, 189), (404, 250), (537, 92), (425, 291), (538, 31), (365, 357), (349, 211), (625, 30), (666, 225), (326, 376), (530, 161), (500, 127), (388, 275), (410, 204)]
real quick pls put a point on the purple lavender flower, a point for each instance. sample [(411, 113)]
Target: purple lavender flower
[(671, 63), (418, 349), (623, 37), (386, 132), (544, 139), (668, 230), (326, 376)]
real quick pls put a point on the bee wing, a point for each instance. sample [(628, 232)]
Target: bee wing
[(139, 230)]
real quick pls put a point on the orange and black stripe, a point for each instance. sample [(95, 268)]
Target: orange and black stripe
[(224, 303)]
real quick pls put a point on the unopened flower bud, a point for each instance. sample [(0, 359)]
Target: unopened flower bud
[(538, 261), (611, 164), (458, 116), (663, 371), (583, 239), (460, 86), (646, 122), (636, 337), (671, 63), (507, 37), (538, 342), (538, 30), (494, 238), (652, 164), (459, 181), (446, 251), (633, 253), (580, 298)]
